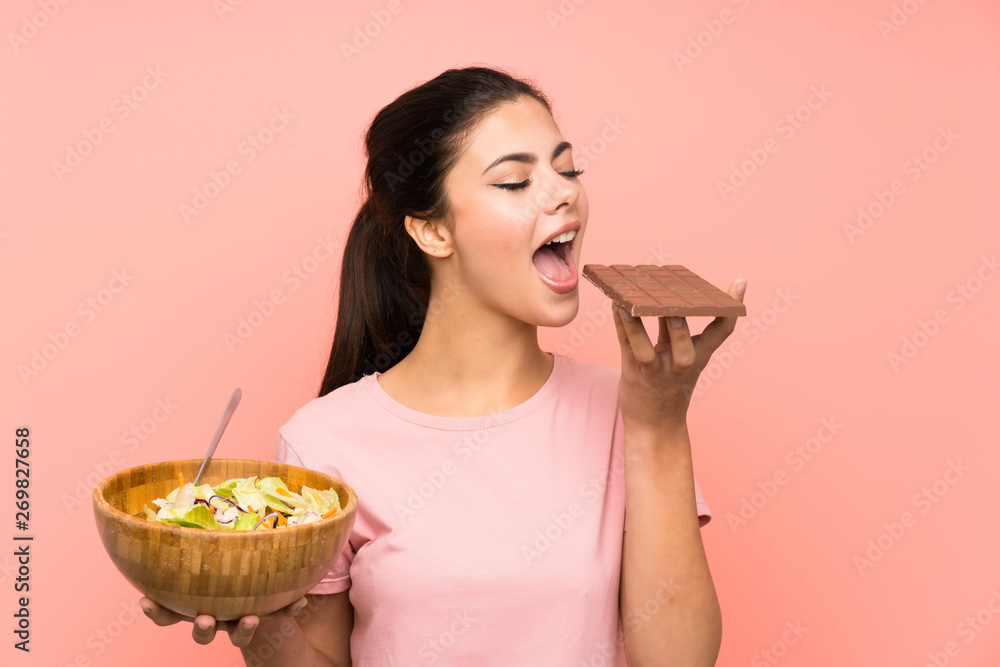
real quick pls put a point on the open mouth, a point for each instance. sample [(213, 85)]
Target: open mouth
[(554, 262)]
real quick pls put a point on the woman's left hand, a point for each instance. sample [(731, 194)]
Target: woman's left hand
[(657, 381)]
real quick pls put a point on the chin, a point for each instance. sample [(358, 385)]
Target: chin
[(563, 313)]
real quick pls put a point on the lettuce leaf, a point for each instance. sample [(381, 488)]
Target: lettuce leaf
[(321, 501), (249, 498), (197, 516), (225, 489), (246, 521), (277, 495)]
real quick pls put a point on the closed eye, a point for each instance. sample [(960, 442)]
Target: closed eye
[(573, 173)]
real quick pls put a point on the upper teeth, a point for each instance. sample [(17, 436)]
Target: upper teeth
[(563, 238)]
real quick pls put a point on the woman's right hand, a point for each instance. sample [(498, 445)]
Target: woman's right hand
[(205, 627)]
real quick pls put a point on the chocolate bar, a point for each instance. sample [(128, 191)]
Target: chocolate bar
[(670, 290)]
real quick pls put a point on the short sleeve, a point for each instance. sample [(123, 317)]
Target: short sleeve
[(704, 514), (338, 579)]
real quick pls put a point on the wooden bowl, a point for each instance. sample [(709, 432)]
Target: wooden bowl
[(226, 574)]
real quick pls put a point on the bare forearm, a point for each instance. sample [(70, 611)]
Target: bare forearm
[(670, 611), (280, 642)]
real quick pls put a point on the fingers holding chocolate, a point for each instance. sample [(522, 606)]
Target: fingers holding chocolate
[(682, 350), (673, 292), (712, 337)]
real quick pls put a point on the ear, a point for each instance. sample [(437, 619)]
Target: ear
[(431, 236)]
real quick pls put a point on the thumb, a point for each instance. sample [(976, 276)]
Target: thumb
[(297, 606), (738, 288), (713, 335), (160, 615)]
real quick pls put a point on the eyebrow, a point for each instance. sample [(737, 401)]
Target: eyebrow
[(528, 158)]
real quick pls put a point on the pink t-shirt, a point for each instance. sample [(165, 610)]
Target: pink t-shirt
[(492, 540)]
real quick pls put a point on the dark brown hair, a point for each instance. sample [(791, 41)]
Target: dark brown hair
[(411, 146)]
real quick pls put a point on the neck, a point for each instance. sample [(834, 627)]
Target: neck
[(469, 364)]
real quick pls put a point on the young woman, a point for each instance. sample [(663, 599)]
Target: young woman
[(493, 477)]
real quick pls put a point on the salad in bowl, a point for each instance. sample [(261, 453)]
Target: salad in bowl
[(243, 503)]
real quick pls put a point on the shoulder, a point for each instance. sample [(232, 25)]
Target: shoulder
[(329, 413), (329, 433)]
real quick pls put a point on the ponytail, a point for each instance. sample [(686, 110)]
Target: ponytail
[(384, 291)]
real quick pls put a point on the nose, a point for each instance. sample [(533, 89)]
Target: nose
[(559, 192)]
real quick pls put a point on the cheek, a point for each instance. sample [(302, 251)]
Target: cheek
[(513, 240), (498, 233), (494, 237), (583, 207)]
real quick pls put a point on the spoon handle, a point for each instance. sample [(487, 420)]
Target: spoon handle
[(234, 400)]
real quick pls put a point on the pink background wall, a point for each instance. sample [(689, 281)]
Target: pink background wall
[(865, 371)]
